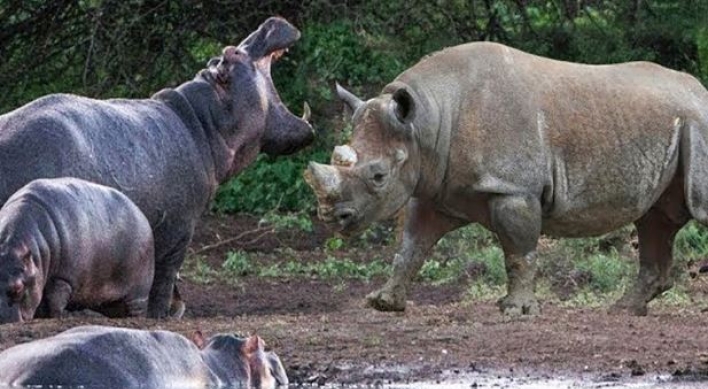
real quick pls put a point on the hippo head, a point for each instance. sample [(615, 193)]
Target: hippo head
[(376, 173), (242, 360), (20, 289), (242, 79)]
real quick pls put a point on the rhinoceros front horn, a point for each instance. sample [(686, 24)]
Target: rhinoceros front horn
[(323, 179), (349, 98)]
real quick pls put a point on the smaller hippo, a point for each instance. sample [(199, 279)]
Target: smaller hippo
[(111, 357), (68, 244)]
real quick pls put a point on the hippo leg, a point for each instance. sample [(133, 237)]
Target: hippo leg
[(163, 285), (57, 294), (517, 222), (423, 227), (656, 231), (134, 307)]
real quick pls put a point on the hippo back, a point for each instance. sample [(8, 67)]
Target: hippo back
[(97, 356), (140, 147)]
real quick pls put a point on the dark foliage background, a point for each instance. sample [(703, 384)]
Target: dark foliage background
[(133, 48)]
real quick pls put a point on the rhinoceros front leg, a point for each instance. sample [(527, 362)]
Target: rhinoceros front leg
[(656, 231), (517, 222), (423, 227)]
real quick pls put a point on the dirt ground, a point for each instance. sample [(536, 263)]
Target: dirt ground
[(325, 335)]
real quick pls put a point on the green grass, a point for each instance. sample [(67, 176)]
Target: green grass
[(576, 272)]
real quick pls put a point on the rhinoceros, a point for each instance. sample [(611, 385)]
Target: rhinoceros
[(523, 145), (167, 153)]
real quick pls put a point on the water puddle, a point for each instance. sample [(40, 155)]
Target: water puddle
[(474, 381), (493, 381)]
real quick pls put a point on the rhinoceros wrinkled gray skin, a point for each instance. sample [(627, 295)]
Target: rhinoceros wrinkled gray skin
[(69, 244), (167, 153), (112, 357), (523, 145)]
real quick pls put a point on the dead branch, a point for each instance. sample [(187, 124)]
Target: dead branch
[(262, 230)]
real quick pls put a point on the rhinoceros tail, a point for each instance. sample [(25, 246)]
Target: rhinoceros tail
[(694, 159)]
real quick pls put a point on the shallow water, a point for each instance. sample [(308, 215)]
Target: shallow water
[(486, 381)]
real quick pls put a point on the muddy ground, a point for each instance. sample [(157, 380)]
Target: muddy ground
[(325, 334)]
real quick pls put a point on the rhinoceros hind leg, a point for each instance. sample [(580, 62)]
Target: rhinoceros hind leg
[(423, 226), (517, 222), (656, 231)]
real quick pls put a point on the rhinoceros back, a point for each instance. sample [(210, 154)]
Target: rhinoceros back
[(105, 357), (597, 143)]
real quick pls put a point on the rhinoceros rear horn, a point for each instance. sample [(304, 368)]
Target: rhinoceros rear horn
[(403, 106), (349, 98)]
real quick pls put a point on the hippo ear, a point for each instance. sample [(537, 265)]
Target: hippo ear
[(403, 106), (198, 339), (223, 64), (213, 62), (349, 98), (253, 344)]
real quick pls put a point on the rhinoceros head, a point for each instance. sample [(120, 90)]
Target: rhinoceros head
[(20, 289), (243, 81), (375, 174)]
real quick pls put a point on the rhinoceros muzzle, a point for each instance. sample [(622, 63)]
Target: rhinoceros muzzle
[(345, 217), (326, 182)]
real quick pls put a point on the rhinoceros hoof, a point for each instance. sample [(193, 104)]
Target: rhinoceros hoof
[(387, 301), (517, 306)]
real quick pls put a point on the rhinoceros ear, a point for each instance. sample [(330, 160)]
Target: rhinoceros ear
[(403, 106)]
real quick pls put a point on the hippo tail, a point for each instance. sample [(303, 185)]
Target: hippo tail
[(694, 162)]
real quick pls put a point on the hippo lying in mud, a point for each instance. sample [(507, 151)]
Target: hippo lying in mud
[(110, 357), (167, 153), (524, 145), (69, 243)]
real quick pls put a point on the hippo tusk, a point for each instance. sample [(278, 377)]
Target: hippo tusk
[(324, 179), (306, 112), (344, 156)]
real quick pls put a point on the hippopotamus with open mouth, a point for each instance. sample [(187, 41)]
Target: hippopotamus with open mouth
[(523, 145), (67, 243), (111, 357), (167, 153)]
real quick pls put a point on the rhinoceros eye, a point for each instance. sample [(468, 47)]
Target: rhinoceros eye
[(378, 178)]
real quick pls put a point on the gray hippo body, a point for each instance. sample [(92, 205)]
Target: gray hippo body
[(167, 153), (68, 243), (110, 357), (524, 145)]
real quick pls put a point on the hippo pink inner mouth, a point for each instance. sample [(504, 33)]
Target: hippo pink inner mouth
[(277, 54)]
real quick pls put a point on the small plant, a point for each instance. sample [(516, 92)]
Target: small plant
[(238, 263), (287, 221), (334, 243), (197, 270), (608, 273)]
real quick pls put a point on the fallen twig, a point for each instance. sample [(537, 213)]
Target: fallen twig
[(263, 230)]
